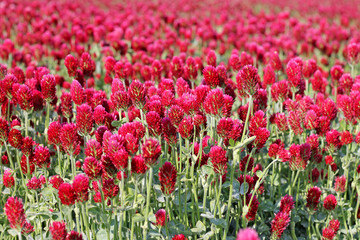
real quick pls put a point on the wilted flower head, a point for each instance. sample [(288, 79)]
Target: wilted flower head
[(340, 184)]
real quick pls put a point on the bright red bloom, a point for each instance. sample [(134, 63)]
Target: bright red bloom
[(48, 87), (137, 94), (68, 138), (67, 194), (27, 146), (310, 121), (328, 234), (71, 64), (121, 100), (66, 105), (279, 224), (169, 131), (295, 122), (176, 67), (4, 130), (54, 133), (56, 181), (110, 189), (252, 209), (211, 76), (286, 204), (77, 93), (120, 159), (248, 79), (93, 149), (14, 211), (24, 166), (151, 151), (81, 187), (73, 235), (333, 139), (167, 178), (218, 159), (330, 202), (42, 156), (34, 183), (84, 119), (58, 230), (8, 180), (186, 127), (262, 135), (24, 97), (214, 102), (280, 91), (161, 217), (313, 198), (294, 73), (257, 121), (15, 138), (138, 165), (249, 162), (92, 167), (224, 127), (281, 121), (346, 138), (179, 237), (269, 76), (86, 64), (154, 123)]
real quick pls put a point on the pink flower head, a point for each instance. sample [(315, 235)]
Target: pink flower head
[(247, 234)]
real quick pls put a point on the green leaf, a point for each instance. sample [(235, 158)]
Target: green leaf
[(259, 174), (13, 232), (200, 227), (244, 188), (101, 234), (138, 218), (219, 222), (231, 142), (207, 215), (116, 123)]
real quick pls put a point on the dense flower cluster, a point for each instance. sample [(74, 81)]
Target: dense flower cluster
[(180, 119)]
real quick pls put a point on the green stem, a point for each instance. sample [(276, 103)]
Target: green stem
[(149, 185), (235, 161), (247, 118)]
